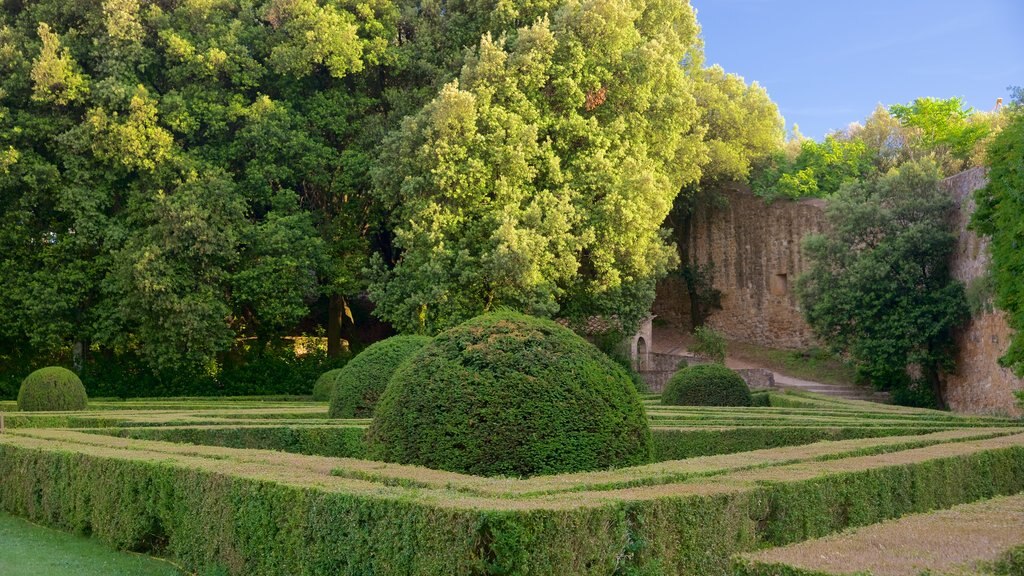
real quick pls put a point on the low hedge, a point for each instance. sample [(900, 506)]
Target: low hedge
[(513, 395), (52, 389), (681, 444), (335, 441), (207, 519), (706, 385), (348, 442), (358, 385)]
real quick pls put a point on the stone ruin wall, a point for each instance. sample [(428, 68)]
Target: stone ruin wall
[(756, 253), (980, 385)]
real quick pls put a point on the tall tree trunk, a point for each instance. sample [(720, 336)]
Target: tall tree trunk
[(335, 309)]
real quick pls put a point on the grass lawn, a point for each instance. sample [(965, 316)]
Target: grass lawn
[(814, 365), (30, 550)]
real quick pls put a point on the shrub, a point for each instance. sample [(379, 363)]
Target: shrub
[(709, 344), (509, 394), (360, 383), (706, 385), (52, 389), (323, 388)]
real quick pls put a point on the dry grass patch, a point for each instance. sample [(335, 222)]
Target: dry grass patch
[(965, 539)]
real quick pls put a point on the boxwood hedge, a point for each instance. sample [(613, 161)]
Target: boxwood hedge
[(509, 394), (358, 385), (52, 389)]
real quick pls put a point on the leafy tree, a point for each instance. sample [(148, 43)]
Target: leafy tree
[(879, 287), (176, 176), (946, 128), (539, 179), (818, 170), (1000, 215)]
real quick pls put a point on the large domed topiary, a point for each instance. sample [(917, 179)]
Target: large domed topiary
[(706, 385), (360, 383), (323, 388), (509, 394), (52, 389)]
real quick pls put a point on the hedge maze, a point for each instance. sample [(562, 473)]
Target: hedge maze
[(244, 486)]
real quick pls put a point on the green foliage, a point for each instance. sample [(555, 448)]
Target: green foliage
[(359, 385), (709, 343), (175, 178), (879, 287), (742, 125), (817, 171), (334, 441), (706, 385), (508, 394), (1000, 215), (250, 370), (249, 525), (324, 386), (943, 128), (539, 179), (52, 389)]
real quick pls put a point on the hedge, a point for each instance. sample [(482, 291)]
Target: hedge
[(335, 441), (323, 388), (706, 385), (249, 517), (513, 395), (358, 385), (347, 442), (52, 389)]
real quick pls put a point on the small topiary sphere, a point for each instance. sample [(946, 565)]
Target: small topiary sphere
[(323, 388), (52, 389), (509, 394), (360, 383), (706, 385)]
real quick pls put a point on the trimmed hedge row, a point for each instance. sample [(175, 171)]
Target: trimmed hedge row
[(680, 444), (338, 442), (244, 525), (348, 442)]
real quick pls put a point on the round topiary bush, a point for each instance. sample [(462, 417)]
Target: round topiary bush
[(509, 394), (706, 385), (52, 389), (360, 383), (323, 388)]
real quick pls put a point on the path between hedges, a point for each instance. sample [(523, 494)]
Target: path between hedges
[(670, 341)]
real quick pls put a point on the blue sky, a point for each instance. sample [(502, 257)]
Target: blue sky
[(827, 63)]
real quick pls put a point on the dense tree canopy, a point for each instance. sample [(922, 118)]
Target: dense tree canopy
[(178, 180), (879, 287), (540, 178)]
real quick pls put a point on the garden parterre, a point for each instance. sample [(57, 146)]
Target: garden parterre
[(256, 487)]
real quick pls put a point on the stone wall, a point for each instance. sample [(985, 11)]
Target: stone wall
[(755, 249), (980, 385), (756, 253)]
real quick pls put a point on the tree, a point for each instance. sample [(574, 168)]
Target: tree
[(948, 129), (539, 180), (1000, 215), (176, 177), (879, 287), (817, 171)]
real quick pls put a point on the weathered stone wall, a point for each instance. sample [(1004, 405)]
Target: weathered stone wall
[(980, 385), (756, 254), (755, 249)]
